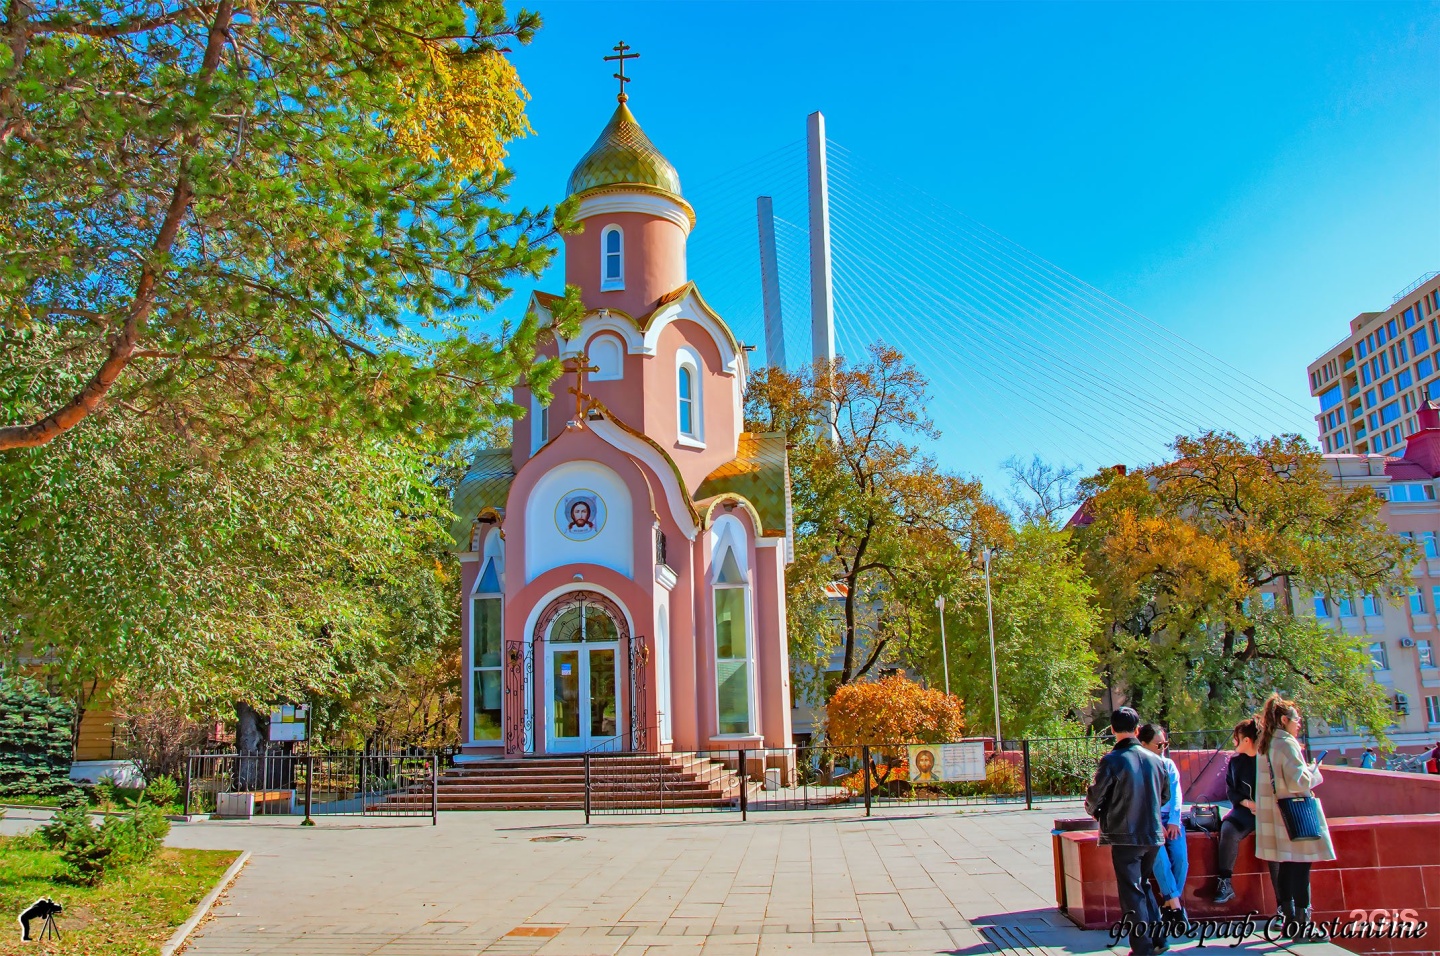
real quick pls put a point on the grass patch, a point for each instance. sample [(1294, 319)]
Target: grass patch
[(26, 800), (132, 912)]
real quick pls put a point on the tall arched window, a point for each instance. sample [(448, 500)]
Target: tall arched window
[(734, 642), (486, 619), (687, 400), (612, 259)]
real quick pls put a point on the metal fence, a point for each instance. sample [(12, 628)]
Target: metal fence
[(384, 784), (875, 776)]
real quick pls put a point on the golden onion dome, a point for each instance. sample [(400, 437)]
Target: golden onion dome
[(624, 155)]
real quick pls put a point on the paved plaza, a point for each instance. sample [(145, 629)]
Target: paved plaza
[(828, 883), (543, 882)]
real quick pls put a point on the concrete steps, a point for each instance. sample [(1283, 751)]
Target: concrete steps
[(625, 781)]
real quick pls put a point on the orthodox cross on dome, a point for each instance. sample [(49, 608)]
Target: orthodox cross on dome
[(580, 364), (622, 56)]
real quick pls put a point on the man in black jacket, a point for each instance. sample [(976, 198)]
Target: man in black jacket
[(1125, 798)]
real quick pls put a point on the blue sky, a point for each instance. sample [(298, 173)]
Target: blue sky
[(1249, 175)]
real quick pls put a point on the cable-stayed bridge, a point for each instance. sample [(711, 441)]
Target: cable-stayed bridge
[(1023, 358)]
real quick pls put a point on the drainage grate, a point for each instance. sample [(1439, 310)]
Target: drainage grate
[(1011, 939)]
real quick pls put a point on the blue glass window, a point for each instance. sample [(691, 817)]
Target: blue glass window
[(1404, 356), (1391, 329), (1404, 379), (1365, 374), (1384, 364), (1330, 398), (1387, 388), (1423, 368), (1370, 398), (1389, 413), (1409, 317), (1420, 340), (1360, 350), (687, 400)]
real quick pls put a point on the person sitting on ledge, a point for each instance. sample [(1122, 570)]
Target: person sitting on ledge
[(1240, 790)]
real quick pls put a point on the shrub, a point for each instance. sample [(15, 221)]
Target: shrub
[(66, 825), (163, 792), (892, 710), (35, 746), (160, 736), (107, 792), (1064, 768), (89, 852)]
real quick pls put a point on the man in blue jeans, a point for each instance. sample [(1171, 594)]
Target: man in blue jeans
[(1172, 861), (1125, 798)]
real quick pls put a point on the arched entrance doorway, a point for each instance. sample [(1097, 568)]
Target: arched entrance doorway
[(581, 637)]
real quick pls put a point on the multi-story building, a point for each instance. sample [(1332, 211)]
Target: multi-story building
[(1370, 383), (1402, 633)]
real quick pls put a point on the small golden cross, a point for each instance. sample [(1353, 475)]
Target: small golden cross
[(580, 364), (622, 56)]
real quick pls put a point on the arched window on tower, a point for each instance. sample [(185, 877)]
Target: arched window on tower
[(612, 268), (689, 407)]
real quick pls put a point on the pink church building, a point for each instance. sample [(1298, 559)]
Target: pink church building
[(625, 559)]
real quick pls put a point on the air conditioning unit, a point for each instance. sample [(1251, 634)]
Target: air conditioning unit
[(1402, 705), (1407, 642)]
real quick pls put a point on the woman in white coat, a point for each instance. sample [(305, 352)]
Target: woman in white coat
[(1281, 771)]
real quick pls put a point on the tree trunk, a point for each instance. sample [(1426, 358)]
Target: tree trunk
[(251, 736)]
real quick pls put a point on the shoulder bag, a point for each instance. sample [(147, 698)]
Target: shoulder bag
[(1302, 815)]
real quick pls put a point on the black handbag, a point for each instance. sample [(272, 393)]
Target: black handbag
[(1203, 818), (1303, 818)]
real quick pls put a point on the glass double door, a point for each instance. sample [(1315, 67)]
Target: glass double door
[(584, 704)]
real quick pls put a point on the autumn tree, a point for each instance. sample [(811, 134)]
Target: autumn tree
[(892, 710), (1196, 564), (878, 526), (228, 218)]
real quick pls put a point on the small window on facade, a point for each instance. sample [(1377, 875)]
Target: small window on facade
[(1322, 605), (1371, 604), (612, 274), (1417, 601), (539, 424), (686, 388), (1432, 710), (1425, 650), (1379, 656)]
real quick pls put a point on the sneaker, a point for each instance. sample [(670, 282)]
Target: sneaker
[(1224, 892)]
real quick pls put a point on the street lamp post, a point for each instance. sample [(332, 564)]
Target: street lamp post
[(944, 651), (994, 674)]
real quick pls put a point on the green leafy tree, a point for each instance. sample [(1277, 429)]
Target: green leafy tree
[(1045, 624), (311, 574), (1183, 555), (228, 217)]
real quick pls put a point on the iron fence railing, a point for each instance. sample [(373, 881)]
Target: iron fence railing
[(873, 776), (353, 783)]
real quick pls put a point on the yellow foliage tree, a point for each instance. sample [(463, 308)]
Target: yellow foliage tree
[(890, 711)]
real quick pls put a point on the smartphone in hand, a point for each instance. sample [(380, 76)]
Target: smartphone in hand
[(1321, 758)]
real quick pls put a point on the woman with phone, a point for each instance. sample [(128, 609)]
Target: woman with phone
[(1283, 774), (1240, 789)]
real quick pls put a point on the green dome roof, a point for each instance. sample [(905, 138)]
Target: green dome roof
[(624, 155)]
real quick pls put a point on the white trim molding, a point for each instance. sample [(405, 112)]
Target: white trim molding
[(616, 436), (646, 203)]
